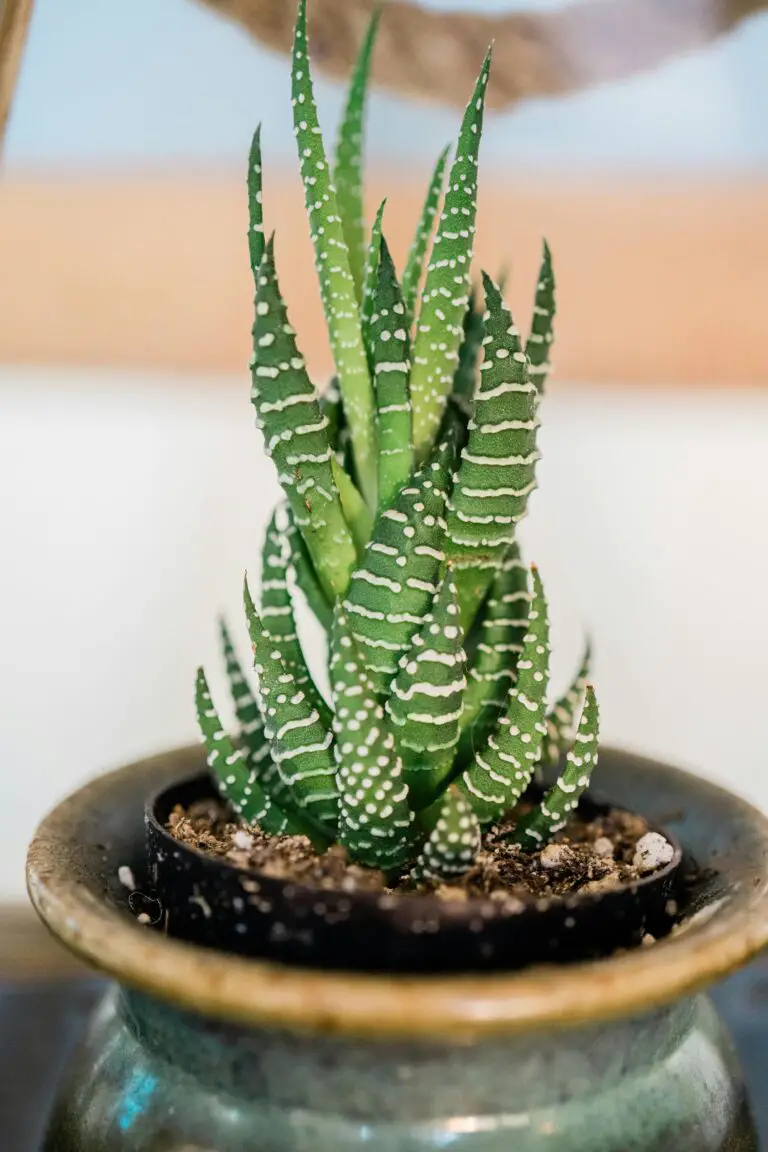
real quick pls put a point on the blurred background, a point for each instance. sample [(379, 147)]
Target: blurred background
[(135, 488)]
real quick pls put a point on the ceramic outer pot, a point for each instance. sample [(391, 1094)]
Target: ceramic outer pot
[(199, 1051)]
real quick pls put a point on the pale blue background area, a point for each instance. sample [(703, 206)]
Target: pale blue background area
[(111, 81)]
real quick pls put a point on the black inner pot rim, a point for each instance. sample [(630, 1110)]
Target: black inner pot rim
[(161, 803)]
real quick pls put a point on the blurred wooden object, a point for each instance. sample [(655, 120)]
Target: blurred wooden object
[(15, 16), (28, 951), (658, 284), (435, 55)]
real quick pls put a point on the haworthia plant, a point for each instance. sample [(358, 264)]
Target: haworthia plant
[(404, 487)]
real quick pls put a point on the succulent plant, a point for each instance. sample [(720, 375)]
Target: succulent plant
[(404, 486)]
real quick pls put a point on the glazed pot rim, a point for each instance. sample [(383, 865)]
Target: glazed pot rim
[(255, 992)]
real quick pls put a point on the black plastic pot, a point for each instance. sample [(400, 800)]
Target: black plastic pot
[(210, 902)]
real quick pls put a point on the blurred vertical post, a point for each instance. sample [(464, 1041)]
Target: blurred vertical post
[(15, 16)]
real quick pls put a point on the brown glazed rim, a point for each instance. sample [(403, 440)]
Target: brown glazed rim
[(262, 993)]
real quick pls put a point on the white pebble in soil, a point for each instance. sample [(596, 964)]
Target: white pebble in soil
[(555, 856), (242, 840), (603, 847), (652, 851)]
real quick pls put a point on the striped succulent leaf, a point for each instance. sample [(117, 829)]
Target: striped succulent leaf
[(391, 365), (554, 811), (305, 576), (451, 848), (296, 437), (337, 284), (502, 627), (277, 614), (561, 720), (539, 342), (255, 210), (370, 281), (252, 736), (375, 817), (235, 779), (427, 697), (414, 265), (446, 290), (301, 744), (348, 167), (503, 770), (498, 465), (393, 589)]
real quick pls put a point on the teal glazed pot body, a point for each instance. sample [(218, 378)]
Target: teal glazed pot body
[(151, 1078), (197, 1050)]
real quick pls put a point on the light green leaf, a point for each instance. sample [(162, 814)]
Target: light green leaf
[(414, 266), (337, 284), (348, 168), (446, 290)]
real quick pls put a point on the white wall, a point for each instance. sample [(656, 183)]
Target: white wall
[(130, 507)]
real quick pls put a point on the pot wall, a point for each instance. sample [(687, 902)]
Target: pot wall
[(149, 1077)]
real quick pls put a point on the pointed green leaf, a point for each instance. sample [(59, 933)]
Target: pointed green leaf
[(498, 466), (333, 410), (254, 741), (553, 813), (277, 614), (305, 576), (371, 278), (446, 290), (252, 736), (414, 266), (393, 589), (301, 744), (465, 380), (560, 721), (375, 819), (502, 628), (337, 285), (235, 780), (391, 365), (356, 512), (502, 771), (295, 434), (348, 168), (427, 697), (255, 210), (452, 847), (541, 336)]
